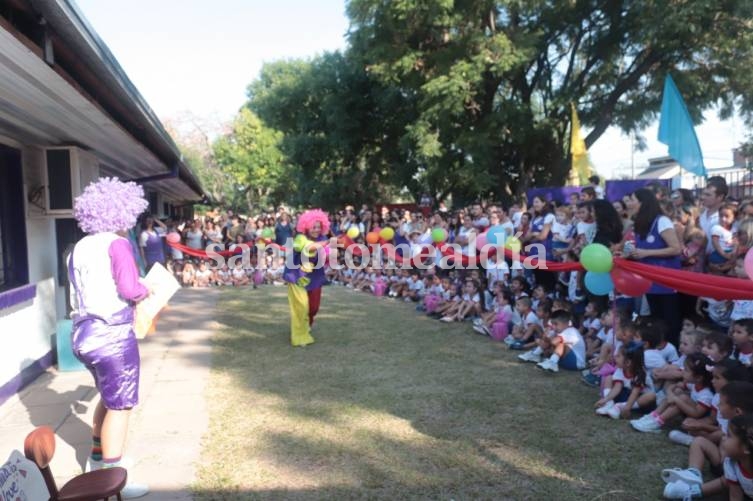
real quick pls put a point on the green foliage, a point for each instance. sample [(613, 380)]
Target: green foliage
[(250, 156), (342, 129), (494, 79), (471, 98)]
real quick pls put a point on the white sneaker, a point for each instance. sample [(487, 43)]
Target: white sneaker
[(549, 365), (530, 356), (615, 411), (678, 490), (477, 321), (447, 319), (646, 425), (604, 409), (585, 372), (509, 340), (132, 491), (486, 330), (673, 475), (680, 438), (642, 419), (479, 329)]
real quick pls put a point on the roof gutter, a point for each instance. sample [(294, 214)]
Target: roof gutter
[(70, 25)]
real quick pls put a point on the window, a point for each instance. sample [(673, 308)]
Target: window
[(14, 264), (67, 233), (153, 200)]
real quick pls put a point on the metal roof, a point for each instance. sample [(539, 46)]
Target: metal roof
[(99, 73)]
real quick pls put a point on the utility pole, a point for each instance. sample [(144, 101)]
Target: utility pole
[(632, 156)]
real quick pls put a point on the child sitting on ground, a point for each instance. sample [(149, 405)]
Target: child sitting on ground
[(712, 427), (563, 348), (739, 461), (469, 305), (433, 296), (224, 276), (742, 339), (524, 332), (717, 346), (602, 366), (239, 276), (694, 400), (500, 323), (735, 401), (605, 334), (203, 276), (631, 386), (415, 290), (399, 284), (690, 342), (188, 275), (591, 323)]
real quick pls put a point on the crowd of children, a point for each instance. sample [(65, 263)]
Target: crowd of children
[(264, 270), (701, 390)]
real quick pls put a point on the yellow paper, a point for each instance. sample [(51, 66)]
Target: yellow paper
[(163, 285)]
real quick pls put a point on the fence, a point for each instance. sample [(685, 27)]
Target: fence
[(739, 182)]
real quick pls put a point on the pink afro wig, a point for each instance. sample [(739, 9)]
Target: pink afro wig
[(307, 219), (109, 205)]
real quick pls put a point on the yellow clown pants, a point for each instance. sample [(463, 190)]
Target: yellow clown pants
[(300, 331)]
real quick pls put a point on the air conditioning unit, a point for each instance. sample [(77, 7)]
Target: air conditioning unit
[(66, 171)]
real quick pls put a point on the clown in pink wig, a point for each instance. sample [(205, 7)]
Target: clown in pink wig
[(105, 286), (305, 277)]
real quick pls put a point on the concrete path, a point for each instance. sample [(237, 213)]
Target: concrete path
[(166, 428)]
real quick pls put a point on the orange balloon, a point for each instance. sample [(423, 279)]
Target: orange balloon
[(372, 237)]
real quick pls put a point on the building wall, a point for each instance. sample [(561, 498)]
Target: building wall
[(26, 334)]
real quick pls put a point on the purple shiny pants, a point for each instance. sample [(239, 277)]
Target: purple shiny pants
[(110, 351)]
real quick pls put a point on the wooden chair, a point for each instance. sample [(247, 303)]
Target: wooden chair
[(39, 447)]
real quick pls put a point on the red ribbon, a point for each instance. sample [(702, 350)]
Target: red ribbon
[(687, 282)]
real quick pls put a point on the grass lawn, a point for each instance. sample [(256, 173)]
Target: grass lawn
[(391, 404)]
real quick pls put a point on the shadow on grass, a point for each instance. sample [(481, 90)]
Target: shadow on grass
[(390, 404)]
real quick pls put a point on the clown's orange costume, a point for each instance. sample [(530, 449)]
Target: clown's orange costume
[(305, 274)]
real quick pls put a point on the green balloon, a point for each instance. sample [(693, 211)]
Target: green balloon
[(596, 258), (267, 233), (438, 235)]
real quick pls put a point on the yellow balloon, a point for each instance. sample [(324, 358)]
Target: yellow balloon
[(307, 267), (353, 232), (514, 244), (387, 234)]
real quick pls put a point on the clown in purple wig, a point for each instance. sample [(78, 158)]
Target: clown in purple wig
[(306, 276), (104, 288)]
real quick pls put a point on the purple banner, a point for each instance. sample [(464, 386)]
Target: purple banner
[(614, 190)]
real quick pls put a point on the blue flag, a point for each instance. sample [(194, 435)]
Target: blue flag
[(676, 130)]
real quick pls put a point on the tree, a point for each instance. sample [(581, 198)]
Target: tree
[(250, 157), (342, 129), (193, 135), (492, 81)]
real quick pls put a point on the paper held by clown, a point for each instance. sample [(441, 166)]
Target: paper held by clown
[(163, 286)]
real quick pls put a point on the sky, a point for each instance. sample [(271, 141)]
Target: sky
[(198, 57)]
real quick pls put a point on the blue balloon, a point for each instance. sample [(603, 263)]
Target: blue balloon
[(496, 235), (599, 284)]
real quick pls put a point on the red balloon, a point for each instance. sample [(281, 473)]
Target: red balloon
[(629, 283), (173, 238)]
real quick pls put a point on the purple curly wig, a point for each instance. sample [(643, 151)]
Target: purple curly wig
[(109, 205), (307, 219)]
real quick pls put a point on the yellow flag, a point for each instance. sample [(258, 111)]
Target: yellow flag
[(580, 169)]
